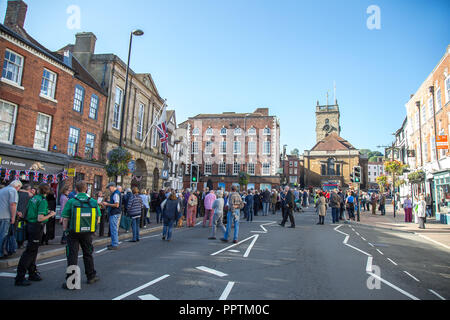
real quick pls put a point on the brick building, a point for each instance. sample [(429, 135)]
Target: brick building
[(293, 170), (142, 108), (224, 145), (51, 110)]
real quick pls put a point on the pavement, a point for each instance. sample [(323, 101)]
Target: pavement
[(344, 261), (434, 231)]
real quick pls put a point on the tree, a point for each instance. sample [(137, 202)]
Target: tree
[(295, 152), (364, 151), (382, 182)]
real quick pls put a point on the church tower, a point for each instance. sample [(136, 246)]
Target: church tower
[(327, 120)]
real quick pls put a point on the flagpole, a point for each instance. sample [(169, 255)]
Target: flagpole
[(154, 123)]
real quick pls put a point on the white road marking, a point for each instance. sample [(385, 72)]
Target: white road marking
[(100, 251), (156, 235), (367, 254), (250, 246), (369, 264), (129, 293), (436, 294), (346, 239), (212, 271), (233, 245), (393, 262), (235, 251), (363, 239), (7, 275), (371, 245), (148, 297), (199, 223), (393, 286), (409, 274), (380, 252), (227, 291), (357, 233), (50, 262), (429, 239)]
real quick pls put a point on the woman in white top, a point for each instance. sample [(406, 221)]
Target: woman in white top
[(422, 211)]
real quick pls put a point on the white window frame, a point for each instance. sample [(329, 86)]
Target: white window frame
[(223, 131), (78, 99), (95, 100), (266, 131), (236, 165), (237, 131), (140, 122), (295, 164), (77, 149), (222, 168), (430, 107), (266, 169), (117, 108), (47, 138), (208, 168), (252, 147), (235, 148), (447, 89), (19, 68), (251, 168), (222, 149), (266, 147), (252, 131), (196, 132), (209, 131), (423, 111), (86, 145), (12, 124), (195, 147), (208, 147), (52, 87), (438, 99)]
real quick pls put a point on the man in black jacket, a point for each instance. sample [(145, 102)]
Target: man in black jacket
[(265, 202), (288, 205)]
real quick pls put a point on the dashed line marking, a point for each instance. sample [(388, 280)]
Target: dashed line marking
[(100, 251), (393, 286), (371, 245), (380, 252), (7, 275), (357, 233), (436, 294), (369, 264), (393, 262), (227, 291), (363, 239), (212, 271), (409, 274)]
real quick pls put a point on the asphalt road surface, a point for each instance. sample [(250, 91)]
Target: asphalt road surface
[(332, 262)]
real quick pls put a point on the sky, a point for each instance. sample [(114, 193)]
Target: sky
[(212, 56)]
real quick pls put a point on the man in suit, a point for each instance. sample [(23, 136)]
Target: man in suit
[(288, 205)]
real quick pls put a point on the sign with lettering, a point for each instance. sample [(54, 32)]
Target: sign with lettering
[(14, 163), (442, 142), (71, 172)]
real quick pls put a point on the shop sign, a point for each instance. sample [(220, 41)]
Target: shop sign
[(71, 172), (411, 153), (442, 142), (13, 163)]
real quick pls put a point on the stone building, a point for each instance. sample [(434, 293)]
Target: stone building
[(224, 145), (143, 107), (51, 111), (329, 164)]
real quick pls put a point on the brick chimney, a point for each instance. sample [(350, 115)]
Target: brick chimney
[(84, 47), (262, 111), (16, 13)]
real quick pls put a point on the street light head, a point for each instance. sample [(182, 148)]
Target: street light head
[(431, 89), (418, 104), (138, 32)]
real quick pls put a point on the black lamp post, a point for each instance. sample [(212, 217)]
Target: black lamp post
[(138, 33)]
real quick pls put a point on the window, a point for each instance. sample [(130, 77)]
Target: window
[(237, 147), (323, 170), (89, 148), (222, 168), (251, 131), (93, 107), (423, 110), (195, 147), (291, 163), (78, 177), (98, 183), (330, 164), (447, 89), (208, 147), (338, 169), (417, 120), (438, 99), (266, 169), (295, 171), (223, 147), (196, 132), (208, 168), (117, 108), (251, 169), (266, 149), (209, 131), (78, 98), (295, 164), (42, 134), (48, 85), (430, 107), (291, 171), (223, 132), (433, 147), (237, 131), (74, 137), (12, 67), (140, 122), (252, 147), (425, 152), (266, 131), (8, 113), (236, 168)]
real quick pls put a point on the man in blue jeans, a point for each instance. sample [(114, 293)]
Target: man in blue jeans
[(8, 207), (335, 204), (114, 212), (234, 205)]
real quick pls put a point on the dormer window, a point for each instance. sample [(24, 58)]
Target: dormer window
[(209, 131), (252, 131), (237, 131), (266, 131), (223, 132), (196, 132)]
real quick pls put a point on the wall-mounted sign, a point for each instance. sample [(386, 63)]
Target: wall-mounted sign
[(165, 174), (132, 166), (71, 172), (442, 142), (411, 153)]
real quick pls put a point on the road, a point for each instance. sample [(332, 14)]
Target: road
[(342, 261)]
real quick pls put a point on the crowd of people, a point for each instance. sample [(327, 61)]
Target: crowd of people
[(31, 213)]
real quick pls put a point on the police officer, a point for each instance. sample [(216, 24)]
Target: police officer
[(78, 232), (37, 214)]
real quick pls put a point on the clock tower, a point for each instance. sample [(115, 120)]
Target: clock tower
[(327, 120)]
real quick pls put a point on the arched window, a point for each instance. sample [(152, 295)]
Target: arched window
[(237, 131), (266, 131), (209, 131), (252, 131), (223, 131), (196, 132), (331, 167)]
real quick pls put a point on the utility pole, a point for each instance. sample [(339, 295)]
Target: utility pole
[(393, 149)]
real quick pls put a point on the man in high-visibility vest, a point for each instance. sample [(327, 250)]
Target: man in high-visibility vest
[(80, 217)]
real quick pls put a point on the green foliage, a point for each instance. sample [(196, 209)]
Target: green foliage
[(382, 182), (118, 162), (416, 177), (295, 152), (243, 178), (395, 167)]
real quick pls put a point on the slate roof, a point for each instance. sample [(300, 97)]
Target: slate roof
[(333, 142)]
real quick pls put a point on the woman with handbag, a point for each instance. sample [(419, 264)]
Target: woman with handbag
[(191, 210), (170, 214), (134, 210)]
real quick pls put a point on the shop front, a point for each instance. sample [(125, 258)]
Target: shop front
[(442, 192)]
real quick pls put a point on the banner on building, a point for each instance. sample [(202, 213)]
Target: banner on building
[(442, 142)]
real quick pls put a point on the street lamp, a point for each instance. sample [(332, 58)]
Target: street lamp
[(420, 133), (137, 33), (431, 88)]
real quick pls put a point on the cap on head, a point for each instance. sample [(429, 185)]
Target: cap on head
[(111, 184)]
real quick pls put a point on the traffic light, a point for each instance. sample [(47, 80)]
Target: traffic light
[(194, 173), (357, 174)]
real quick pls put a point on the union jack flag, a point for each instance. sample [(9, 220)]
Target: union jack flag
[(55, 178), (64, 175), (7, 174), (161, 127), (45, 179), (36, 176), (27, 175), (17, 176)]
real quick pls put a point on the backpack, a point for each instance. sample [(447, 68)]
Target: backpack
[(84, 216)]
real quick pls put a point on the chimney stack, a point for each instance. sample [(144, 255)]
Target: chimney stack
[(16, 13), (84, 47)]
